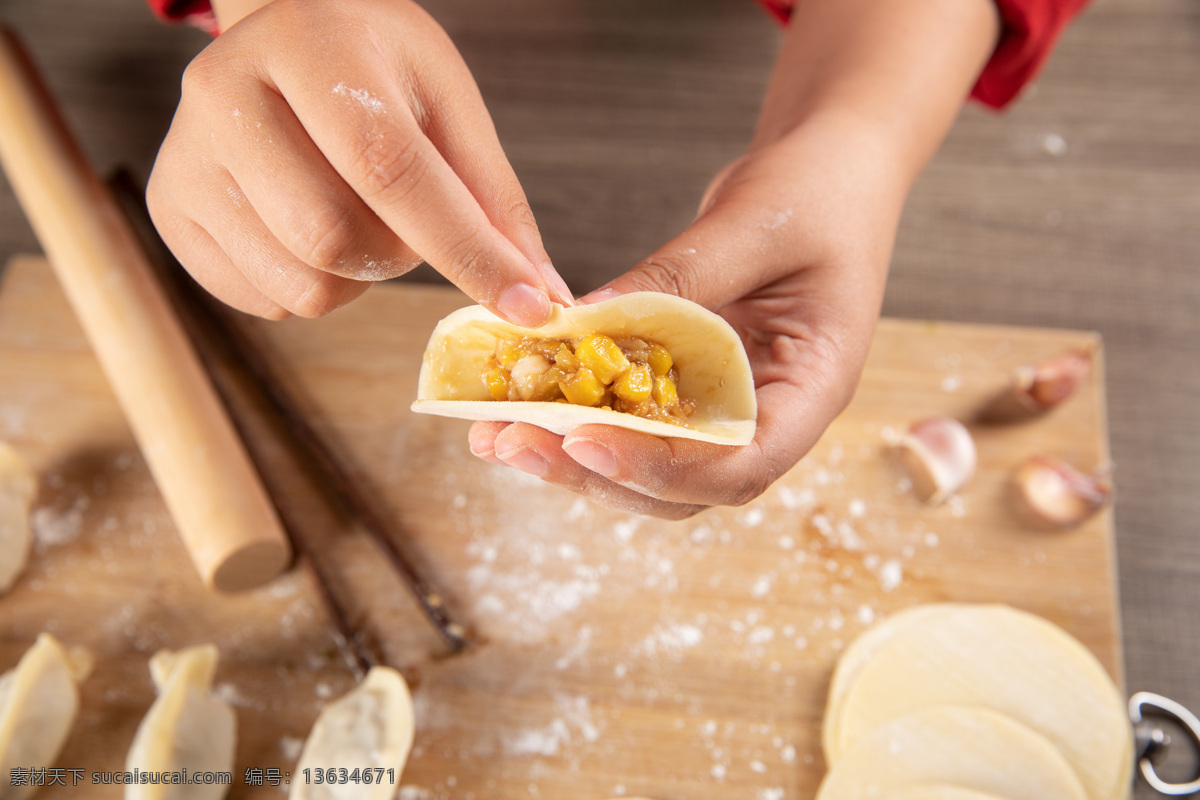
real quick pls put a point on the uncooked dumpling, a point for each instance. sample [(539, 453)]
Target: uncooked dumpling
[(712, 364), (368, 730), (974, 749), (186, 728), (1000, 658), (38, 702), (18, 487)]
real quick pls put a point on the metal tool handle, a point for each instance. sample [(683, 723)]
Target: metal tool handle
[(1151, 740)]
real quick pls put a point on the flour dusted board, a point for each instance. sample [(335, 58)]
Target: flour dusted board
[(617, 654)]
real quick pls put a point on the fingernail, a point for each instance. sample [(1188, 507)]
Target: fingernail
[(524, 305), (599, 296), (526, 460), (593, 455), (482, 453), (557, 283)]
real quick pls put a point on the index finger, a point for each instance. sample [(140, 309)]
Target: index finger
[(378, 147)]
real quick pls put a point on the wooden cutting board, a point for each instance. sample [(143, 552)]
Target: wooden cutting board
[(613, 654)]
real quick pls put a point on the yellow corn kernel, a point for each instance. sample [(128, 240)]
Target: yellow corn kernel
[(496, 381), (565, 358), (660, 360), (665, 393), (583, 388), (600, 354), (635, 385), (508, 353)]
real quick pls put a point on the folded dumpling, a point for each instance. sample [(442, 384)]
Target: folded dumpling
[(359, 744), (187, 728), (38, 702), (646, 361), (18, 487)]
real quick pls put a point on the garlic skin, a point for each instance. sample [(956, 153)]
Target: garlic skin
[(1055, 494), (938, 454), (1037, 388)]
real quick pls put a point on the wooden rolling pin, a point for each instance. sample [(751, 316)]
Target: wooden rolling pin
[(216, 498)]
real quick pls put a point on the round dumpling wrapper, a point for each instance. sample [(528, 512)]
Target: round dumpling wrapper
[(974, 749), (713, 367), (997, 657), (859, 653), (937, 791)]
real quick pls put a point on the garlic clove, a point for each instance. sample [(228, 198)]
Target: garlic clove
[(1052, 381), (1038, 388), (939, 456), (1056, 494)]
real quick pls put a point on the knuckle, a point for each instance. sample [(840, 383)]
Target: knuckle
[(464, 257), (754, 484), (320, 297), (390, 168), (157, 197), (519, 212), (326, 236), (665, 274), (205, 76)]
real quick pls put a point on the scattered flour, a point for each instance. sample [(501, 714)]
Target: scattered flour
[(291, 747), (574, 720), (53, 527), (670, 639), (361, 96)]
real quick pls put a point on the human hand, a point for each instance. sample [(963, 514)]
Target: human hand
[(791, 246), (321, 145), (797, 267)]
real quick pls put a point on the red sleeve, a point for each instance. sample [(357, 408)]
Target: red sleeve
[(193, 12), (1030, 29)]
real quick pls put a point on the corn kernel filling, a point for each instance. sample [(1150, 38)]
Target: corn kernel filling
[(627, 374)]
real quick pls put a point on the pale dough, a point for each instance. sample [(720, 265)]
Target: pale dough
[(859, 653), (713, 367), (974, 749), (1000, 658), (39, 699), (18, 487), (936, 791), (371, 727), (186, 727)]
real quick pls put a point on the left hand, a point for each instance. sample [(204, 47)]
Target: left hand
[(791, 247)]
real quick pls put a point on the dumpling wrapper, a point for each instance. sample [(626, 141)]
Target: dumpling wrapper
[(713, 367), (937, 791), (997, 657), (859, 654), (187, 727), (18, 487), (39, 699), (975, 749), (370, 727)]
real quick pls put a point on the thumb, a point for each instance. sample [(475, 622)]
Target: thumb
[(733, 248)]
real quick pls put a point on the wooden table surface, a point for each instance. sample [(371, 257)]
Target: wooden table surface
[(1076, 208)]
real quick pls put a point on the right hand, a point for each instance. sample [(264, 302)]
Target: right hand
[(321, 145)]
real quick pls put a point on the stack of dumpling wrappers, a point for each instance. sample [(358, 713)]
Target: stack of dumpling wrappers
[(974, 702)]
